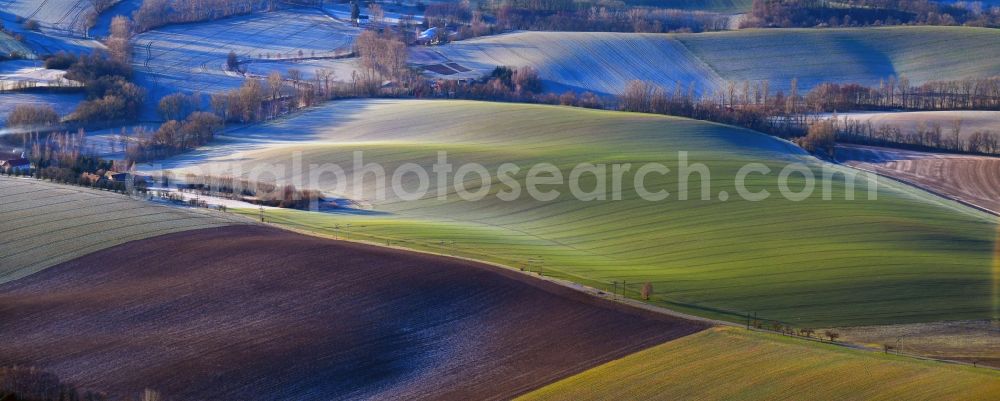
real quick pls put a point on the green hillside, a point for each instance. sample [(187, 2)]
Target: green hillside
[(906, 257)]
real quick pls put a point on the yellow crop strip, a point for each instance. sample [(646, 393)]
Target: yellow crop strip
[(734, 364)]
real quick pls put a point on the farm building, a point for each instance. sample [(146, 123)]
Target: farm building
[(18, 163)]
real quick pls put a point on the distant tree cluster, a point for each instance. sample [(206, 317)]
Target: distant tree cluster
[(110, 93), (258, 193), (753, 106), (156, 13), (811, 13), (20, 383), (173, 137), (29, 115), (749, 105), (178, 106), (567, 15), (820, 139), (925, 137), (383, 57), (60, 61), (897, 93)]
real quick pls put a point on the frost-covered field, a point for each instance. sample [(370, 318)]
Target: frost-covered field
[(341, 68), (392, 13), (61, 15), (192, 57), (31, 73), (604, 62), (596, 61), (50, 39), (63, 103), (8, 45), (858, 55), (45, 224)]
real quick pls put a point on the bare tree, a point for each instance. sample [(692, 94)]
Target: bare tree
[(647, 291), (119, 46)]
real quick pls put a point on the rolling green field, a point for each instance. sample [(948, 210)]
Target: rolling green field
[(44, 224), (732, 364), (906, 257)]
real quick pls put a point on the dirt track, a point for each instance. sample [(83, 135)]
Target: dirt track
[(247, 313), (971, 179)]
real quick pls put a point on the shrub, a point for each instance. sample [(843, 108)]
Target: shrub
[(27, 115), (232, 62), (60, 61), (31, 25), (176, 106), (821, 138)]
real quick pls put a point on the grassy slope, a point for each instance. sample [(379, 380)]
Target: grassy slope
[(906, 257), (731, 364), (604, 62), (44, 224), (9, 45)]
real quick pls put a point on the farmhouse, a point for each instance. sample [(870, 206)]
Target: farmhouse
[(18, 163)]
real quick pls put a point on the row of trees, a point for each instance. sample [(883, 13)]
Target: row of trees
[(810, 13), (924, 137), (173, 137), (258, 193), (30, 115), (788, 116), (897, 93), (756, 108), (565, 15), (31, 384), (156, 13)]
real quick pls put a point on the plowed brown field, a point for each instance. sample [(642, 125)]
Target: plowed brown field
[(254, 313), (974, 180)]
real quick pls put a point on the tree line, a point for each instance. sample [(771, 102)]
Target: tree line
[(20, 383), (155, 13), (899, 94), (790, 115), (926, 136), (254, 192), (567, 15), (812, 13)]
